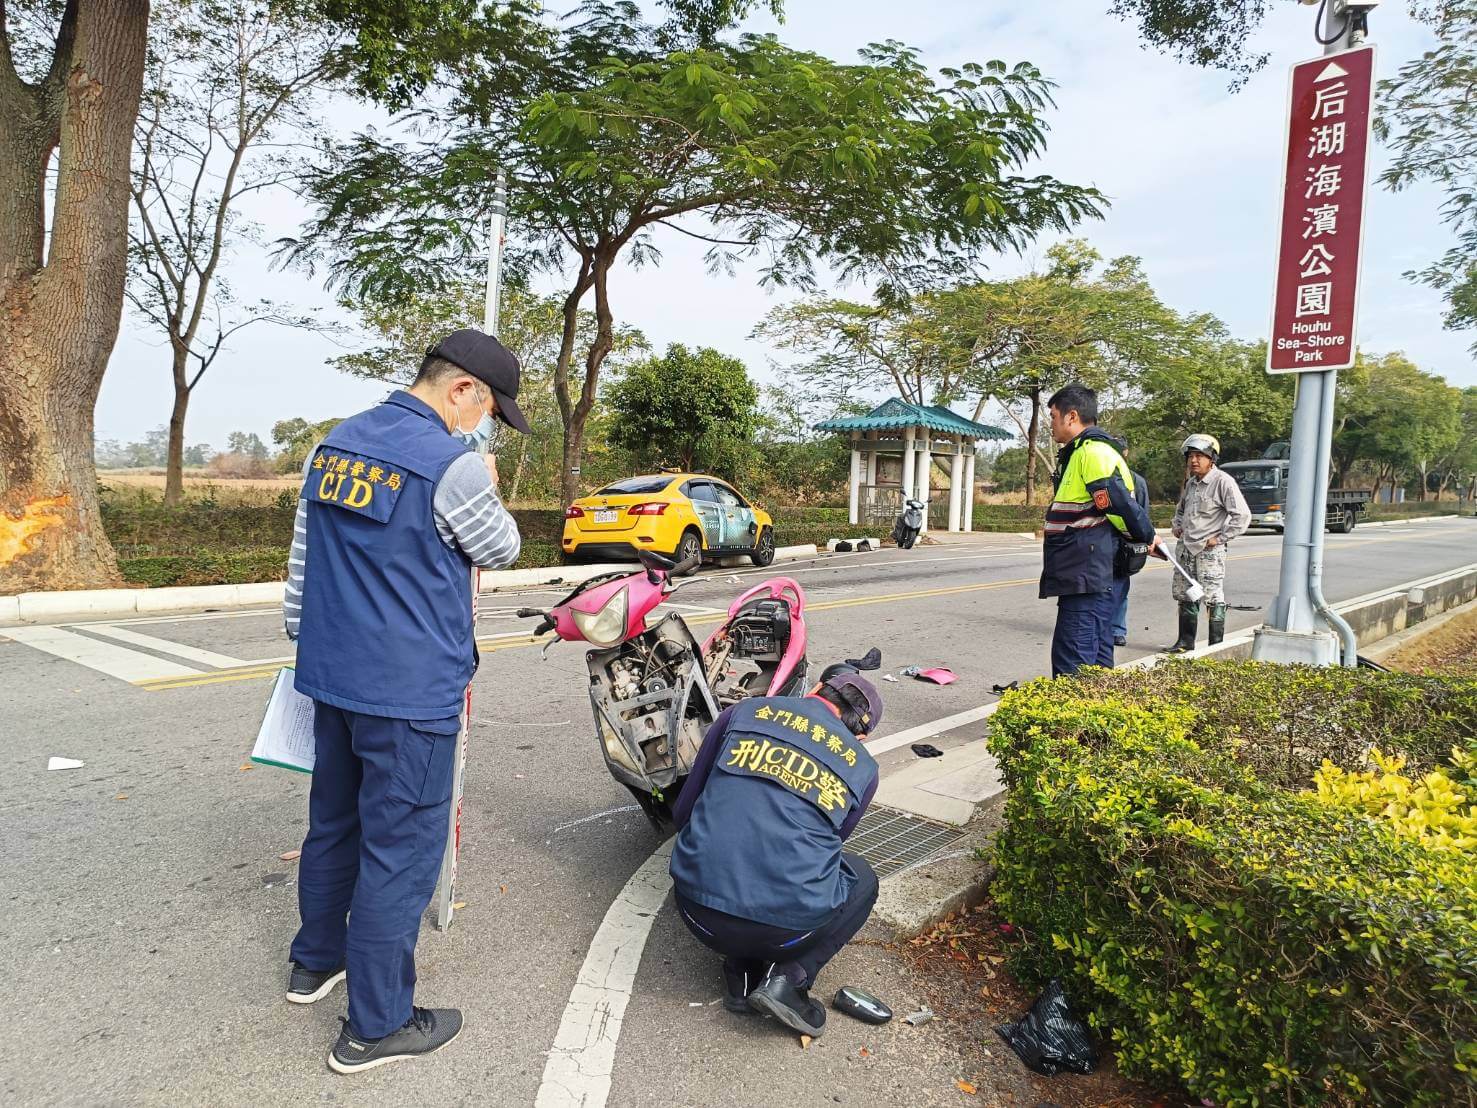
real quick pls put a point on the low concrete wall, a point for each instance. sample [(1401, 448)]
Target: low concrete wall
[(1373, 616), (40, 607)]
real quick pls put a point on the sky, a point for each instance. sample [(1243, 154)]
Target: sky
[(1191, 169)]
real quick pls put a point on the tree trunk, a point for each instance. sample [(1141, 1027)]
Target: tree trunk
[(174, 462), (574, 424), (1032, 434), (61, 318), (579, 413)]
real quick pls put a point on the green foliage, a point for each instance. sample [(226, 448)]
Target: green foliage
[(693, 409), (295, 439), (1233, 932), (1429, 121)]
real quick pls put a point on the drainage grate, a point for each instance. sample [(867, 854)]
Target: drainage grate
[(891, 840)]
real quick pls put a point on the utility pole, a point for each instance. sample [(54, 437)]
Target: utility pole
[(1300, 625), (446, 895)]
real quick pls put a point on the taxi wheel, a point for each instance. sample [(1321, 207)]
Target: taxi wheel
[(764, 549), (691, 546)]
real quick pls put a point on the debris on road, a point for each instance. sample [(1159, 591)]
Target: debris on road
[(121, 796), (459, 905), (64, 763), (805, 1041), (290, 855), (889, 677), (939, 675), (270, 880), (1003, 689), (244, 767), (924, 750), (920, 1017), (966, 1087)]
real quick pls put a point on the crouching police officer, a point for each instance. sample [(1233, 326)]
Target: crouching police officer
[(395, 511), (760, 874)]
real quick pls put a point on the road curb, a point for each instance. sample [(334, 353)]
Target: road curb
[(40, 607)]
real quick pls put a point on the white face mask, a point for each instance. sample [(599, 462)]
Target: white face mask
[(480, 433)]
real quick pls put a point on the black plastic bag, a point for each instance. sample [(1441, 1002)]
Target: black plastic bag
[(1049, 1039)]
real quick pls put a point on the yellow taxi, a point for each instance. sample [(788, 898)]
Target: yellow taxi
[(676, 514)]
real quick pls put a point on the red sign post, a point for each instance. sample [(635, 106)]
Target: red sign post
[(1323, 188)]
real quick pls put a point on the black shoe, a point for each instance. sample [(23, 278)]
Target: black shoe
[(427, 1031), (738, 983), (793, 1007), (1120, 640), (305, 985)]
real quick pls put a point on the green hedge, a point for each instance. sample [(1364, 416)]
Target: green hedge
[(1414, 508), (1234, 935)]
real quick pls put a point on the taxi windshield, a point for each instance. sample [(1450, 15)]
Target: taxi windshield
[(635, 485)]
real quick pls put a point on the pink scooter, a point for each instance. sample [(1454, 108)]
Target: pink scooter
[(651, 693)]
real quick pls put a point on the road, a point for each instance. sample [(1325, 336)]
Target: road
[(148, 914)]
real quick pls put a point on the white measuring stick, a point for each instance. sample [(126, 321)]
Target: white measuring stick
[(1196, 590)]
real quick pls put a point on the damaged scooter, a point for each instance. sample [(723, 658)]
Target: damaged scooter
[(654, 690)]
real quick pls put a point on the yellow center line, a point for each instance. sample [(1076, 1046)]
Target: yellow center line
[(263, 671)]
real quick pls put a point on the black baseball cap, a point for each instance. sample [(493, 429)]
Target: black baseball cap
[(861, 695), (490, 362)]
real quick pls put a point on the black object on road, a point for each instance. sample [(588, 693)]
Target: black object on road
[(1049, 1038), (1002, 689), (923, 750), (860, 1004)]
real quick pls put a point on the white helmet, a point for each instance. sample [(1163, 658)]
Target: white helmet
[(1208, 445)]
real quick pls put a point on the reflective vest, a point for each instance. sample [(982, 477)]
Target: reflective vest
[(387, 606), (763, 842), (1081, 533)]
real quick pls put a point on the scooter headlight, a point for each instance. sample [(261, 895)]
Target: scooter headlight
[(607, 627)]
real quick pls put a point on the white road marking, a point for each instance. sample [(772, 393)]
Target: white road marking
[(930, 730), (582, 1060), (164, 646), (115, 661)]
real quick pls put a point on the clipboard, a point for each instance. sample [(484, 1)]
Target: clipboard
[(285, 738)]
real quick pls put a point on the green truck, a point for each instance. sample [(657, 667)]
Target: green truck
[(1263, 482)]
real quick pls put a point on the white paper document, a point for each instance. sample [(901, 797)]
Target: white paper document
[(286, 735)]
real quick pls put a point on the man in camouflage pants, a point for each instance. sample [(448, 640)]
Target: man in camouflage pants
[(1210, 514)]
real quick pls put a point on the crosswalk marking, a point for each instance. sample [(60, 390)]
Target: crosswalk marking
[(164, 646), (115, 661)]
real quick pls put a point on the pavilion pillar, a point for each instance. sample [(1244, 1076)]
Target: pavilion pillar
[(956, 481), (969, 489), (856, 481), (909, 465), (925, 467)]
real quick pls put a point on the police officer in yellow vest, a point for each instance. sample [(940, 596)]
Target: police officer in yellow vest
[(1093, 498)]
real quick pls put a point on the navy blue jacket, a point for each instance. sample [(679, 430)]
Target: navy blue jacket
[(387, 607), (777, 787)]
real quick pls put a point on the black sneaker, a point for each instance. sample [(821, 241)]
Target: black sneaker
[(738, 984), (427, 1031), (792, 1006), (1120, 640), (305, 985)]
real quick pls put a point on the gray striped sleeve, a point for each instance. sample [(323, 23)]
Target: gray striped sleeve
[(471, 516), (297, 564)]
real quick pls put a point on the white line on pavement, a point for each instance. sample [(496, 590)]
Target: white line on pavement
[(929, 730), (164, 646), (582, 1060), (115, 661)]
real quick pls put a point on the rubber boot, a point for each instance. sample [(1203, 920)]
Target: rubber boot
[(1217, 623), (1189, 621)]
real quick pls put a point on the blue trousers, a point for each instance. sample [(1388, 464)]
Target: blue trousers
[(1084, 632), (377, 824), (1120, 615)]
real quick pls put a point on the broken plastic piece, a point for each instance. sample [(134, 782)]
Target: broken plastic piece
[(920, 1017), (889, 677), (923, 750), (64, 763), (938, 675), (1003, 689)]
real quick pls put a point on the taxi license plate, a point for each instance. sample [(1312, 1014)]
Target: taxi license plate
[(606, 515)]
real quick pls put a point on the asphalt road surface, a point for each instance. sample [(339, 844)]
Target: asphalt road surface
[(147, 913)]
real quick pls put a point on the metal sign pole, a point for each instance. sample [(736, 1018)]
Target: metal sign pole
[(1313, 323), (445, 902)]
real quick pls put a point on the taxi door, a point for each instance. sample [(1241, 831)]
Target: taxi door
[(709, 512), (738, 519)]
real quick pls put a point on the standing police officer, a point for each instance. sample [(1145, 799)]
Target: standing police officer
[(760, 874), (1093, 499), (395, 511)]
